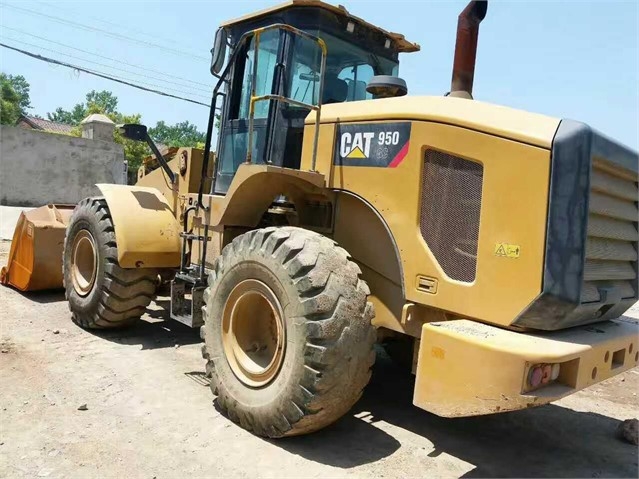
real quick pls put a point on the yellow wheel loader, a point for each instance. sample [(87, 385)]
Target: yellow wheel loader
[(493, 250)]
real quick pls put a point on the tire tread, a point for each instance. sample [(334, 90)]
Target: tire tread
[(338, 353), (125, 293)]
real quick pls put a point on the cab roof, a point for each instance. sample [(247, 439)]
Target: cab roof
[(402, 45)]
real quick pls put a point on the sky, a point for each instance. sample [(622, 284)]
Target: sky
[(567, 59)]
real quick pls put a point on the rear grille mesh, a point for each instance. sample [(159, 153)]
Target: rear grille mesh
[(450, 210), (611, 248)]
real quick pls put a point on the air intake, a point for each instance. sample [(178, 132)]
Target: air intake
[(450, 209)]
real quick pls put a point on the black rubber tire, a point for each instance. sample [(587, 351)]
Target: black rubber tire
[(119, 296), (329, 346)]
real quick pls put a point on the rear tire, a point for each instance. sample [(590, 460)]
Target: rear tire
[(100, 293), (318, 337)]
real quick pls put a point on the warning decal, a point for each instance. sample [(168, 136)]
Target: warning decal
[(507, 250), (382, 145)]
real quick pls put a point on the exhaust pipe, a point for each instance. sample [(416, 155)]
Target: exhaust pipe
[(461, 85)]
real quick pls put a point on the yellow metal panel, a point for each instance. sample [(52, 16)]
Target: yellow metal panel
[(519, 125), (467, 368), (514, 202), (147, 233), (187, 166), (253, 189)]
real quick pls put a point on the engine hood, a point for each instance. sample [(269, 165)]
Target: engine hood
[(532, 128)]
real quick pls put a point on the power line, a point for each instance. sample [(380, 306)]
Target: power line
[(106, 32), (4, 27), (106, 22), (116, 68), (99, 74)]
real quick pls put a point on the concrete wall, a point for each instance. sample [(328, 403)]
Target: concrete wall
[(37, 168)]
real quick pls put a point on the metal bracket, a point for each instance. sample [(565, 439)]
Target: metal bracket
[(186, 302)]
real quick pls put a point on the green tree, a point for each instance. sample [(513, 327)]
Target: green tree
[(96, 102), (14, 98), (9, 103), (103, 102), (180, 134), (73, 117)]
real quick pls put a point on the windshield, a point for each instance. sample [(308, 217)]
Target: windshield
[(349, 68)]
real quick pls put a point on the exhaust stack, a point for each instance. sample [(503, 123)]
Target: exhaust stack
[(466, 48)]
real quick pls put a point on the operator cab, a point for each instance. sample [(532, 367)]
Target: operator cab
[(289, 66)]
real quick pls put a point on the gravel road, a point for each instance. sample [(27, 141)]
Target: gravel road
[(149, 414)]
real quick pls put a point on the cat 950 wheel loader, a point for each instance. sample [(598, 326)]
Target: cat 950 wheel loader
[(483, 242)]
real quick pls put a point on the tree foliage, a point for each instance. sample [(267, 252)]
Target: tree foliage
[(14, 98), (73, 117), (9, 103), (95, 102), (180, 134)]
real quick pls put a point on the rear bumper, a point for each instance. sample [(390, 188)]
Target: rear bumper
[(467, 368)]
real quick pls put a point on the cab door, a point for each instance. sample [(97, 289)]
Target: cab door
[(233, 146)]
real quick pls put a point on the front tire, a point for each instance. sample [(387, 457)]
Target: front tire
[(100, 293), (288, 334)]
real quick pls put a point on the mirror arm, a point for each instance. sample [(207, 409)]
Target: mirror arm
[(160, 158)]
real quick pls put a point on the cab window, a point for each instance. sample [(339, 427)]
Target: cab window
[(356, 78), (349, 68), (267, 59)]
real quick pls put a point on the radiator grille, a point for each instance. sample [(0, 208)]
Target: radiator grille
[(611, 247), (450, 208)]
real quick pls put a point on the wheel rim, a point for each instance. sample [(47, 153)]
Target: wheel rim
[(84, 261), (253, 334)]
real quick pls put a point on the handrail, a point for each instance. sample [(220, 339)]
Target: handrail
[(254, 99)]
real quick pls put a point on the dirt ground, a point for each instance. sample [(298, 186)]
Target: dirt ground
[(151, 415)]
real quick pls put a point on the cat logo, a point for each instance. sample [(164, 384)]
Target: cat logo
[(356, 146), (373, 145)]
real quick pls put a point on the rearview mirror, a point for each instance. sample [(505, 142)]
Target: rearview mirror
[(309, 76), (133, 131), (218, 52)]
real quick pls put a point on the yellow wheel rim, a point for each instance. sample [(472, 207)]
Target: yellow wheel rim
[(84, 262), (253, 334)]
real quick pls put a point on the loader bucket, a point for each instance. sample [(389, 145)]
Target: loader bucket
[(35, 257)]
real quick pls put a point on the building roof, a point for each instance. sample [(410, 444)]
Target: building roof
[(401, 43), (46, 125)]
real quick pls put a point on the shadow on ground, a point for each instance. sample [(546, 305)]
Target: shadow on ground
[(44, 297), (155, 330), (550, 441)]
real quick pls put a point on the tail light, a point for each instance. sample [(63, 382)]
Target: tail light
[(542, 374)]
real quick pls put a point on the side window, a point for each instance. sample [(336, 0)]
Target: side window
[(304, 78), (266, 61), (357, 77)]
